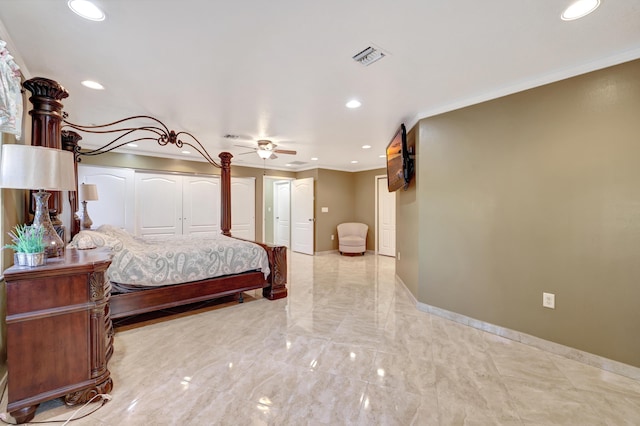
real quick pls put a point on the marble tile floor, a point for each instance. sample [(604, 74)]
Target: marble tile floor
[(347, 347)]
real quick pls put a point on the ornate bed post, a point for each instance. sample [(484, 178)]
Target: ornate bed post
[(225, 193), (278, 276), (46, 119), (70, 141)]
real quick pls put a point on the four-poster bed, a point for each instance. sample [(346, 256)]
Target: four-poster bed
[(152, 129), (76, 316)]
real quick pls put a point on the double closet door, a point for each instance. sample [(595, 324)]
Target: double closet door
[(169, 204), (161, 204)]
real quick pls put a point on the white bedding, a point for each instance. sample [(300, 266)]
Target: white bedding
[(172, 260)]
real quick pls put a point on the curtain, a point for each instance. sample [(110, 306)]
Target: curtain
[(10, 95)]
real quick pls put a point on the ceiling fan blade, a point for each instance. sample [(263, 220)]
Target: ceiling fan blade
[(273, 156), (245, 153), (285, 151), (245, 146)]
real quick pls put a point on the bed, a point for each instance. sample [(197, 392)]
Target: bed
[(48, 122)]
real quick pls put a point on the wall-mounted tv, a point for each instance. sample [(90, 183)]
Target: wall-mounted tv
[(399, 161)]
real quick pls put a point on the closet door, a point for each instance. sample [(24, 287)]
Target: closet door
[(243, 207), (116, 203), (200, 205), (158, 204)]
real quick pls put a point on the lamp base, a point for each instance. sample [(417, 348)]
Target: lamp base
[(86, 220), (54, 246)]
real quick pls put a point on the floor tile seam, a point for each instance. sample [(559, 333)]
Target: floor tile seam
[(513, 406), (435, 385), (503, 384), (363, 382), (522, 408), (557, 358)]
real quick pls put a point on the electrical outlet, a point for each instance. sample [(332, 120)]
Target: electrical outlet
[(549, 300), (331, 237)]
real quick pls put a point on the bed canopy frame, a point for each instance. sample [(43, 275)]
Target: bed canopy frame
[(48, 121)]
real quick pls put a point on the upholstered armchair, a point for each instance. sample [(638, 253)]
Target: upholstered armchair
[(352, 238)]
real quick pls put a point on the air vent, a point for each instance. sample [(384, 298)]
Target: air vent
[(368, 56), (297, 163), (230, 136)]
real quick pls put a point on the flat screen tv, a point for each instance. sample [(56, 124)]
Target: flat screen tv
[(399, 161)]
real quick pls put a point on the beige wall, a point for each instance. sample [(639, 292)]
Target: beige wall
[(12, 205), (407, 226), (537, 192), (365, 201), (335, 190)]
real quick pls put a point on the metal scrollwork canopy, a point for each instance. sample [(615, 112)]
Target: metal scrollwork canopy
[(130, 134)]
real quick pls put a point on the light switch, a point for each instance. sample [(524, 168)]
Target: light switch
[(325, 210)]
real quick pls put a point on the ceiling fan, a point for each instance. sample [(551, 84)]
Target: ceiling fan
[(267, 149)]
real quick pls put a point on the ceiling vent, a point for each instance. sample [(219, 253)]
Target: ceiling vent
[(230, 136), (368, 56), (296, 163)]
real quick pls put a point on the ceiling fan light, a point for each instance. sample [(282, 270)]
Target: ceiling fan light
[(264, 154)]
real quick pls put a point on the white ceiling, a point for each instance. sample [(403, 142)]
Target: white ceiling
[(283, 69)]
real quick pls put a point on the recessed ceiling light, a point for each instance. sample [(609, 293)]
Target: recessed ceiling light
[(354, 161), (92, 85), (366, 146), (579, 8), (288, 165), (353, 104), (186, 152), (132, 145), (382, 156), (314, 158), (86, 9)]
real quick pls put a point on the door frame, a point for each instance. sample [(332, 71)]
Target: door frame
[(275, 184), (376, 182), (271, 180)]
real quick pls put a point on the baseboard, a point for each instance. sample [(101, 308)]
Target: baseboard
[(527, 339), (325, 252)]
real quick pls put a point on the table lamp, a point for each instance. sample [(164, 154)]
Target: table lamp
[(41, 168), (88, 192)]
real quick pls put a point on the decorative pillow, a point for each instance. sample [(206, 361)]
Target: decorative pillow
[(115, 232), (83, 242), (91, 239)]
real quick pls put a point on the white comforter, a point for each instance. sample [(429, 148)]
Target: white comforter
[(172, 260)]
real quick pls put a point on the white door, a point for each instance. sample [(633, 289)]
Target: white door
[(158, 204), (243, 207), (302, 216), (200, 205), (386, 219), (282, 212), (116, 203)]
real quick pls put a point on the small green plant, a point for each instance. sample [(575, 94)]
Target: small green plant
[(27, 239)]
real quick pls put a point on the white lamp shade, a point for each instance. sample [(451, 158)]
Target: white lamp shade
[(37, 167), (88, 192)]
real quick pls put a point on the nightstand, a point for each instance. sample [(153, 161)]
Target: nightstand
[(59, 333)]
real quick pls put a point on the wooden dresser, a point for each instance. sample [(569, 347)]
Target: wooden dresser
[(59, 333)]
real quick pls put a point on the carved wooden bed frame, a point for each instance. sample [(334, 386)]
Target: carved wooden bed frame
[(47, 119)]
